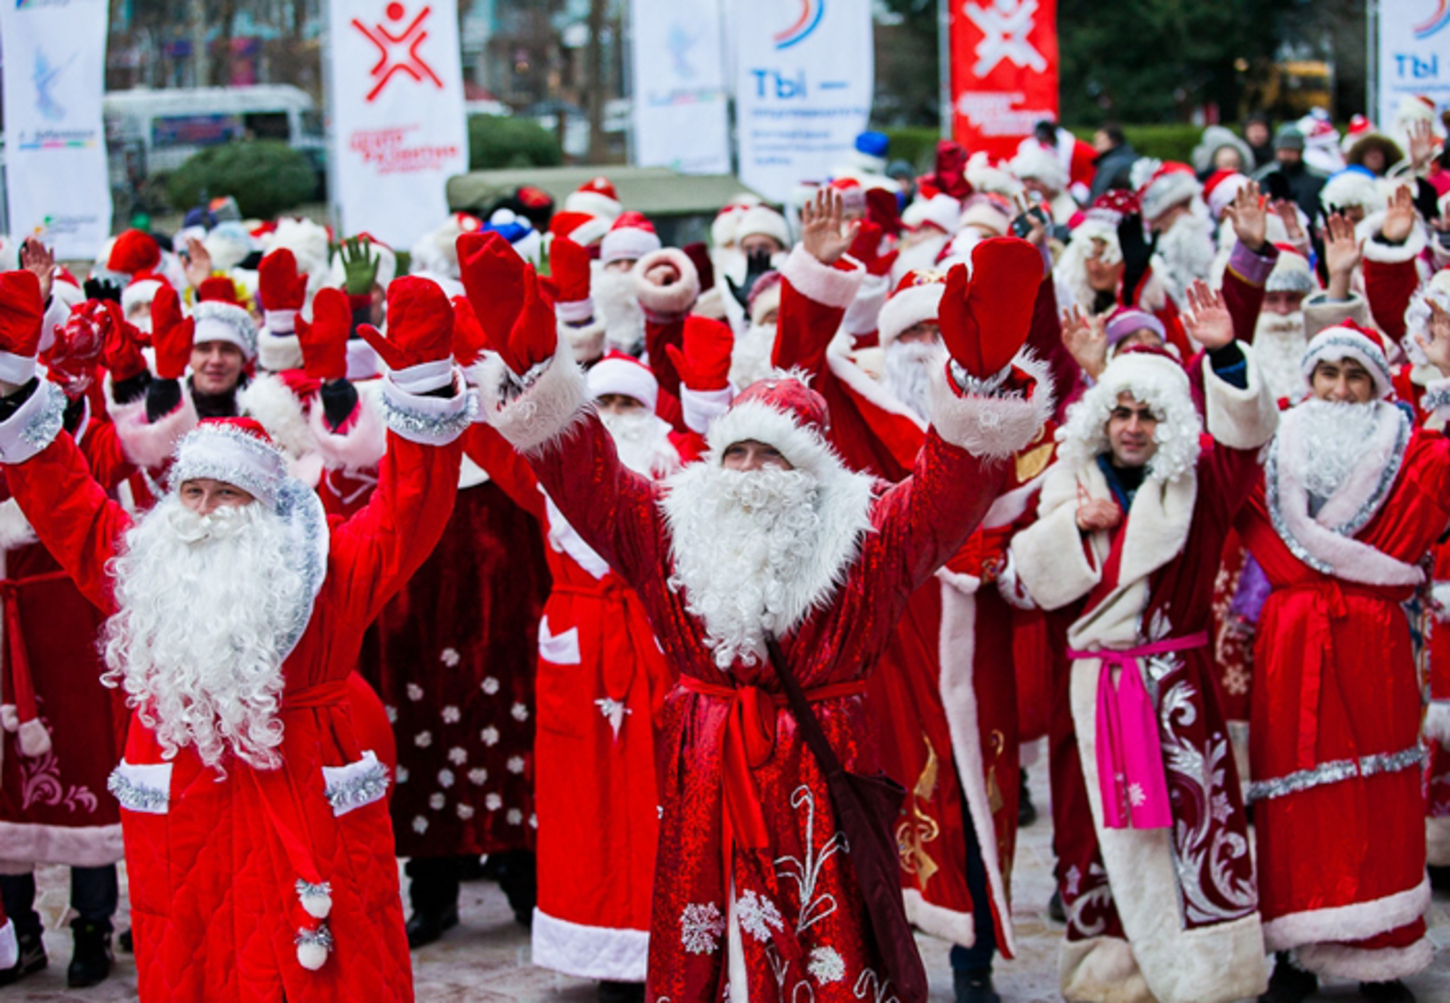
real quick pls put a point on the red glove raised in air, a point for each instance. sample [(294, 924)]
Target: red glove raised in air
[(420, 325), (171, 334), (71, 360), (120, 340), (705, 362), (504, 291), (985, 319), (279, 284), (324, 338), (468, 340)]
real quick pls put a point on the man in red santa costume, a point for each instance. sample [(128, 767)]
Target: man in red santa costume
[(1353, 498), (769, 535), (1155, 874), (260, 859)]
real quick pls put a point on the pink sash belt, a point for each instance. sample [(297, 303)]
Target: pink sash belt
[(1132, 783)]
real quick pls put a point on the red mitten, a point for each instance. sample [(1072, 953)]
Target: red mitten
[(120, 340), (569, 266), (866, 248), (324, 339), (279, 284), (420, 325), (985, 319), (468, 340), (20, 334), (884, 210), (506, 296), (171, 334), (705, 362), (71, 360)]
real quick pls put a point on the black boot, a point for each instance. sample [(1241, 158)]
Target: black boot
[(621, 992), (1026, 810), (433, 894), (127, 945), (90, 962), (423, 928), (974, 986), (1393, 991), (1439, 878), (32, 958), (1289, 983), (519, 881), (1055, 911)]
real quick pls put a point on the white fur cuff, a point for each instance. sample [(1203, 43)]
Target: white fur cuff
[(987, 426), (1389, 254), (1437, 722), (554, 400), (428, 421), (1239, 419), (1436, 400), (823, 284), (34, 425), (667, 301), (585, 340), (700, 407), (278, 351)]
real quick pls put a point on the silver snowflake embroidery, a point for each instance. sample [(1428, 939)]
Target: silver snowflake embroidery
[(458, 755), (515, 817), (449, 657), (1136, 797), (477, 776), (392, 713), (493, 802), (465, 811), (758, 916), (423, 739), (420, 824), (533, 821), (402, 774), (1221, 808), (436, 801), (516, 764), (451, 715), (445, 778), (701, 926), (489, 736), (489, 685), (826, 965), (1074, 880), (519, 712), (415, 692)]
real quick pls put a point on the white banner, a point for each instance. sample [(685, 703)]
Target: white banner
[(397, 131), (680, 115), (1414, 54), (803, 78), (56, 181)]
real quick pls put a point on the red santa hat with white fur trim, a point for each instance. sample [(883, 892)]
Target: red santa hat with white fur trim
[(1350, 341), (781, 411), (916, 298), (1220, 189), (618, 373), (940, 211), (630, 238), (1168, 185), (1291, 272), (597, 197), (218, 320), (1035, 162), (764, 221)]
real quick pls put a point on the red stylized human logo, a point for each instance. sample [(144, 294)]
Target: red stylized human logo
[(398, 53)]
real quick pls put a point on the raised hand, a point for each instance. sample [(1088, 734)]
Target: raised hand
[(323, 340), (35, 257), (171, 334), (1400, 216), (1086, 339), (986, 319), (517, 321), (198, 262), (704, 363), (823, 232), (420, 325), (1207, 319), (281, 286), (120, 340), (1342, 252), (1250, 219), (1424, 146), (1288, 212), (359, 265), (1437, 346)]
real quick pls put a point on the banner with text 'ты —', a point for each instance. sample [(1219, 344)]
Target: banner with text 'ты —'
[(398, 131)]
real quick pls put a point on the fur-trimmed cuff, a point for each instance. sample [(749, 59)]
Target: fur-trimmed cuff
[(1383, 964), (271, 401), (1437, 723), (1436, 399), (575, 311), (671, 302), (150, 444), (362, 445), (34, 425), (870, 298), (823, 284), (278, 352), (1051, 562), (280, 322), (428, 421), (1389, 254), (989, 426), (1321, 312), (700, 407), (543, 413), (1239, 419), (586, 340)]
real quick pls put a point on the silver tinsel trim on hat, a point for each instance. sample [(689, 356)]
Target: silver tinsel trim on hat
[(194, 460), (1336, 771), (138, 797), (360, 789)]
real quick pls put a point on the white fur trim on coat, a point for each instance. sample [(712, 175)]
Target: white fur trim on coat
[(25, 845), (941, 923), (993, 427), (589, 952), (9, 946), (532, 421), (34, 425), (277, 409), (670, 301), (362, 446), (1389, 254), (1437, 723), (1239, 419), (586, 340), (1101, 970), (1356, 921), (823, 284), (15, 529), (1049, 556), (1437, 842), (150, 444), (277, 352), (1383, 965)]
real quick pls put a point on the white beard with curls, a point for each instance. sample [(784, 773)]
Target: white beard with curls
[(1279, 341), (617, 301), (1335, 438), (750, 358), (642, 440), (205, 607), (909, 367), (740, 542)]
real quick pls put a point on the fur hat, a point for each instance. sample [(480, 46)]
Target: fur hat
[(1291, 273), (1036, 162), (132, 252), (218, 320), (1353, 186), (236, 451), (990, 212), (308, 242), (764, 221), (630, 238), (1168, 185), (1126, 320), (764, 296), (941, 211), (622, 374), (916, 298), (1350, 341), (1220, 189), (783, 412), (596, 197)]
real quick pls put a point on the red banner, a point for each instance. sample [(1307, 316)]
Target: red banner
[(1004, 71)]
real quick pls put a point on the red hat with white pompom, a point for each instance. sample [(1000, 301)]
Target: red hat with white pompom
[(630, 238), (916, 298), (596, 197), (624, 375)]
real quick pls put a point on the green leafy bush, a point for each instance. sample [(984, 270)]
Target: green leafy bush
[(496, 141), (265, 176), (915, 144)]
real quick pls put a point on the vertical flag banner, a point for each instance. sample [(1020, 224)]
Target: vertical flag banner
[(1003, 71), (680, 116), (803, 77), (56, 177), (1414, 55), (398, 132)]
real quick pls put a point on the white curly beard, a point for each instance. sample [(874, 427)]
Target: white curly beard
[(908, 373), (642, 440), (1335, 439), (618, 306), (741, 540), (750, 358), (1278, 346), (205, 605)]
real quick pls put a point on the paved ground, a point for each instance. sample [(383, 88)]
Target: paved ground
[(486, 959)]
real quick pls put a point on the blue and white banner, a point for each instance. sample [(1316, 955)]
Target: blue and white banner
[(803, 79), (397, 133), (56, 181), (1414, 55), (678, 62)]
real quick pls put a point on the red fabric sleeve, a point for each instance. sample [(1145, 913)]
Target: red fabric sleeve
[(510, 471), (105, 455), (1388, 286)]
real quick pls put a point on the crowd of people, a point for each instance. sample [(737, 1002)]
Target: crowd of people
[(711, 599)]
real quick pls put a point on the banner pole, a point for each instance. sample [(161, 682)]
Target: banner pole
[(944, 64), (1371, 62)]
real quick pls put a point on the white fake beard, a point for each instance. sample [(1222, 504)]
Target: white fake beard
[(739, 546), (618, 304), (642, 441), (750, 358), (1336, 436), (205, 605), (1279, 342), (908, 373)]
